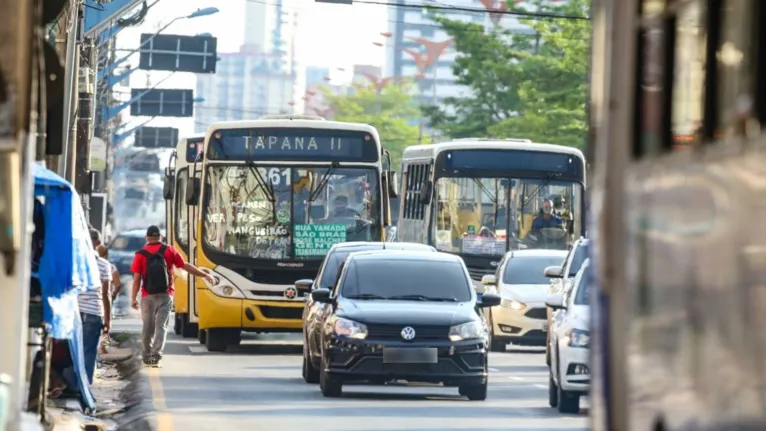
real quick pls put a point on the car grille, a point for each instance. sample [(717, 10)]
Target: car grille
[(478, 273), (537, 313), (394, 332)]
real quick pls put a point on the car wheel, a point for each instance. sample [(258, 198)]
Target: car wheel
[(553, 396), (474, 392), (310, 373), (217, 340), (177, 324), (494, 344), (330, 387), (568, 401)]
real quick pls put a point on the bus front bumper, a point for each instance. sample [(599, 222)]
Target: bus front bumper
[(249, 315)]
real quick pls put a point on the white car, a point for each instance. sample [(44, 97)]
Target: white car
[(520, 282), (569, 376)]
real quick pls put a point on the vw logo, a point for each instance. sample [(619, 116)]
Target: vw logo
[(408, 333), (290, 293)]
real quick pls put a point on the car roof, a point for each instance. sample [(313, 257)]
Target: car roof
[(371, 246), (404, 254), (538, 253)]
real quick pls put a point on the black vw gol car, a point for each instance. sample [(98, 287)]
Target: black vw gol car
[(401, 315)]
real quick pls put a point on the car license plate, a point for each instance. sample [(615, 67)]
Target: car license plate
[(410, 355)]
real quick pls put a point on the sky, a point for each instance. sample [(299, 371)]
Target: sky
[(322, 40)]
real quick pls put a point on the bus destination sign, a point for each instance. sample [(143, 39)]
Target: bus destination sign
[(289, 144)]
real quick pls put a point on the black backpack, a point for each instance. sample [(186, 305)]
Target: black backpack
[(157, 276)]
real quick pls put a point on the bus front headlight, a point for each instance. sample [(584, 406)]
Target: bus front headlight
[(223, 287)]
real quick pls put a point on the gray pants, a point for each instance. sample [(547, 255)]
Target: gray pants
[(155, 314)]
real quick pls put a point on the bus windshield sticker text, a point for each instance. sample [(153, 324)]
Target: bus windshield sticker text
[(316, 239)]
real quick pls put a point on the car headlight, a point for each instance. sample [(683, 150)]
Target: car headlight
[(467, 331), (578, 338), (514, 304), (349, 328)]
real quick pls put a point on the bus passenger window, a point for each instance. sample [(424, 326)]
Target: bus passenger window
[(689, 83), (736, 67)]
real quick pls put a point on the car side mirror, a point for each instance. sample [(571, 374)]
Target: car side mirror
[(168, 186), (553, 272), (555, 301), (490, 300), (488, 280), (321, 295), (192, 191), (304, 285)]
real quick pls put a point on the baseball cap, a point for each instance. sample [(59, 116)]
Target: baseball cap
[(153, 231)]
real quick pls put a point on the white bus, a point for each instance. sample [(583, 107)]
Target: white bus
[(679, 253), (479, 198), (266, 199)]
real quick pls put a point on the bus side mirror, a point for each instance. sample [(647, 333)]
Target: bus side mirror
[(391, 183), (192, 191), (425, 193), (168, 186)]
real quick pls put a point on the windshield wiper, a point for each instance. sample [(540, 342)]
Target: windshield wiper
[(365, 296), (538, 189), (422, 298), (267, 186), (485, 190), (322, 183)]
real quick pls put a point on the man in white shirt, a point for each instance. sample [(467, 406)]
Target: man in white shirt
[(95, 310)]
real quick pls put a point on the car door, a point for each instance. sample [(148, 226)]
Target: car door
[(562, 323)]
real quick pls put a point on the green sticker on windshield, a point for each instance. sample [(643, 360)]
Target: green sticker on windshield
[(316, 239), (283, 216), (471, 229)]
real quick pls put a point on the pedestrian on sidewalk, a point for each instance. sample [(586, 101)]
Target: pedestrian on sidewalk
[(152, 270), (95, 310), (116, 286)]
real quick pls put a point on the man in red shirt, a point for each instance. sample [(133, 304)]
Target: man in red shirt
[(152, 271)]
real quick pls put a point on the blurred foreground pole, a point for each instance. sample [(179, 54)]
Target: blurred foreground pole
[(18, 116)]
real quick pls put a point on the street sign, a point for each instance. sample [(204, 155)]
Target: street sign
[(156, 137), (161, 102), (174, 53)]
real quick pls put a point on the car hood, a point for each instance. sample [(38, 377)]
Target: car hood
[(406, 312), (525, 292), (580, 317)]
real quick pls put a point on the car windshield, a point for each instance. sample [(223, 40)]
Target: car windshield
[(277, 212), (334, 261), (127, 243), (529, 269), (583, 290), (407, 279), (581, 253), (489, 216)]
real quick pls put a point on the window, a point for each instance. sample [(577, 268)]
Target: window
[(582, 296), (529, 269), (415, 178), (396, 278), (127, 243), (580, 255), (182, 210)]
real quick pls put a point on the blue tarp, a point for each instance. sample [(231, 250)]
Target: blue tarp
[(67, 266)]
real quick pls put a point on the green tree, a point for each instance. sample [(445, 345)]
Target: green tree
[(532, 85), (392, 111)]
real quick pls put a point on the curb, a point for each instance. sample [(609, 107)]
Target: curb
[(140, 415)]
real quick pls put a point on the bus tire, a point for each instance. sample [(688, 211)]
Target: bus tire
[(177, 324), (202, 336), (189, 330), (217, 340)]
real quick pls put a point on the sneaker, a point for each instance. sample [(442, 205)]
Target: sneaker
[(146, 359), (156, 361)]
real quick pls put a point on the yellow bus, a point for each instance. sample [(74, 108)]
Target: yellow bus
[(264, 202), (177, 227)]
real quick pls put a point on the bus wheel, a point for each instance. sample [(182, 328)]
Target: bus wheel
[(189, 330), (177, 324), (217, 340), (202, 336)]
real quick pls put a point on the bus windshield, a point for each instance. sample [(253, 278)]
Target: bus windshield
[(283, 213), (489, 216)]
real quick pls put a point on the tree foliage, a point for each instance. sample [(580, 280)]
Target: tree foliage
[(526, 85), (392, 111)]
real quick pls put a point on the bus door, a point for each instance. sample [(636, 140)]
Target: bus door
[(195, 171)]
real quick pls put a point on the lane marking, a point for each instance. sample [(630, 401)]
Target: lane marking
[(518, 379), (164, 419), (542, 386), (197, 349), (493, 369)]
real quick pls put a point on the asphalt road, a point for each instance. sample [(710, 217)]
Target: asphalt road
[(258, 386)]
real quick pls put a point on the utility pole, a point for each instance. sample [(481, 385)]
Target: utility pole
[(66, 161), (83, 134)]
